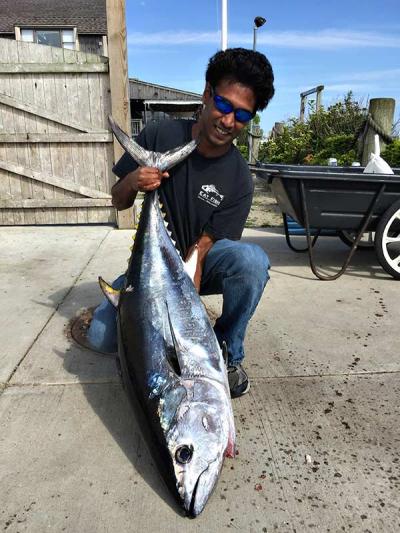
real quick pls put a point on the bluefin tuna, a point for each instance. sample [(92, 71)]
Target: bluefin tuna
[(171, 364)]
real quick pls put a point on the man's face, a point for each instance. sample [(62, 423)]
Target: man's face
[(221, 129)]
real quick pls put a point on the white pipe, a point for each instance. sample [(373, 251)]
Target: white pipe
[(224, 29)]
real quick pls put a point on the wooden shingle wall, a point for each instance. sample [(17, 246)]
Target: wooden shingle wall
[(56, 151)]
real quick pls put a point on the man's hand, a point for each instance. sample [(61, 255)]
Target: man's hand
[(143, 179), (146, 179), (203, 246)]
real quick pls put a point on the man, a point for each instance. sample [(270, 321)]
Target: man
[(207, 199)]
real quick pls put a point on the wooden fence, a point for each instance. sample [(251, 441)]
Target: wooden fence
[(56, 151)]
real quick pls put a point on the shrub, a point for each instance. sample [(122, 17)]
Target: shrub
[(326, 133), (339, 146), (391, 153), (291, 147)]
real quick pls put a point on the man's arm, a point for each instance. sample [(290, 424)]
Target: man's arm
[(142, 179), (203, 246)]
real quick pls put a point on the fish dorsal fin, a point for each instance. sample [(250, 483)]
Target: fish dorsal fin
[(146, 158), (111, 294), (191, 264)]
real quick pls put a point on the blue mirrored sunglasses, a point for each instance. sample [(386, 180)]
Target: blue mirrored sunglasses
[(225, 106)]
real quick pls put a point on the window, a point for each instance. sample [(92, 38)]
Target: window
[(68, 40), (53, 37)]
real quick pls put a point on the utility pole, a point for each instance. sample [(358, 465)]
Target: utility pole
[(258, 22), (224, 24)]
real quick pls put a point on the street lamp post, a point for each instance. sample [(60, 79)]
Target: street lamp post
[(258, 22)]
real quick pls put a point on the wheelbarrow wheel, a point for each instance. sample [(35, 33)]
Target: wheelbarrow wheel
[(366, 242), (387, 240)]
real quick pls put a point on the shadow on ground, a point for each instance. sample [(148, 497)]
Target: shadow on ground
[(329, 255), (107, 397)]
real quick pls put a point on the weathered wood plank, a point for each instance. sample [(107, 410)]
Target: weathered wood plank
[(55, 137), (50, 115), (11, 149), (39, 53), (84, 102), (4, 176), (83, 172), (29, 53), (51, 68), (63, 153), (118, 61), (43, 98), (22, 150), (103, 214), (33, 203), (84, 105), (62, 183), (91, 172)]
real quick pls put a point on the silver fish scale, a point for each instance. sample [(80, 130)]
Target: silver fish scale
[(173, 303)]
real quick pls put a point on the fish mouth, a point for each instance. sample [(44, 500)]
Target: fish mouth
[(195, 502), (193, 510)]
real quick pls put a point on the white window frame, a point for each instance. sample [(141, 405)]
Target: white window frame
[(60, 29)]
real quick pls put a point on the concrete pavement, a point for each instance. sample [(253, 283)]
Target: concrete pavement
[(318, 434)]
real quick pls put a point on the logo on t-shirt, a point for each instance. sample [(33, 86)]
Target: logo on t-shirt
[(210, 194)]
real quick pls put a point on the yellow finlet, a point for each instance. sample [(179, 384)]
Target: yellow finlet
[(111, 294)]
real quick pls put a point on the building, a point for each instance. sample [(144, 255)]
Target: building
[(75, 24), (151, 102), (82, 25)]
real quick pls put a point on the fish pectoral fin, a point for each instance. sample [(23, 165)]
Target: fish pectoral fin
[(111, 294), (190, 264), (174, 348)]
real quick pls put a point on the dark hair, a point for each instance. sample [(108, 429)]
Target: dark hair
[(244, 66)]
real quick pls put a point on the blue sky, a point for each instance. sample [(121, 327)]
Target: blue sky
[(343, 45)]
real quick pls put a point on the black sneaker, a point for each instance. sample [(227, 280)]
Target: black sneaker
[(238, 381)]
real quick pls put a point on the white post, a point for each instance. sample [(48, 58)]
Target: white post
[(224, 28), (250, 134)]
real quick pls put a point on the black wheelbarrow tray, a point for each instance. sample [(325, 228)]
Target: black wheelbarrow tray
[(343, 199)]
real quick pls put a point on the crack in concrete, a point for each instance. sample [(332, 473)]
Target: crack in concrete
[(116, 381), (328, 375), (61, 384)]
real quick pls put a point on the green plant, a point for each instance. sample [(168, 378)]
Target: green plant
[(244, 150), (338, 146), (325, 133), (292, 146), (391, 153)]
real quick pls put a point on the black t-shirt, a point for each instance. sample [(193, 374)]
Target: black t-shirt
[(211, 195)]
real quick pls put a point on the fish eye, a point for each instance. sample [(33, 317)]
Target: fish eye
[(184, 454)]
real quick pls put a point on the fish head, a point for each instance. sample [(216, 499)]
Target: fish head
[(197, 447)]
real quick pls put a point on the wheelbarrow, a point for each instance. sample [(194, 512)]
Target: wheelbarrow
[(342, 201)]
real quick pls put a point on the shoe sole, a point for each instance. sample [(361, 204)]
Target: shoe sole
[(246, 390)]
